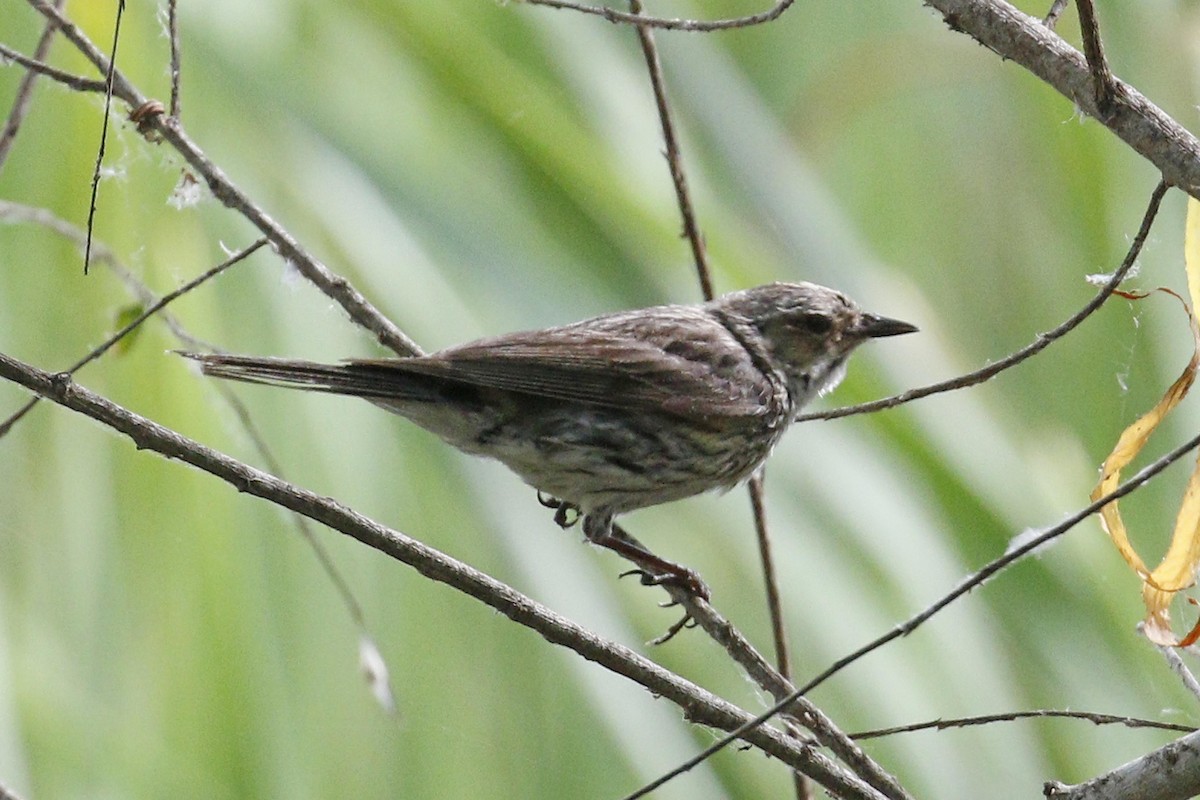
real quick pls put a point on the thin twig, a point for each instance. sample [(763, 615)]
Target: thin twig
[(971, 582), (698, 705), (1093, 49), (223, 189), (1056, 10), (691, 232), (987, 719), (767, 678), (77, 83), (693, 25), (1040, 342), (691, 229), (1176, 664), (108, 94), (383, 687), (109, 343), (20, 106), (1144, 127), (774, 606), (15, 212), (774, 603), (173, 35)]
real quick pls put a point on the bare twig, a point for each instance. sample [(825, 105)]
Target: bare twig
[(774, 603), (1176, 664), (691, 229), (774, 607), (698, 705), (1056, 10), (1040, 342), (803, 712), (1169, 773), (1093, 49), (75, 82), (24, 94), (15, 212), (691, 232), (164, 301), (173, 35), (1012, 716), (968, 584), (767, 678), (108, 92), (1016, 36), (172, 131), (382, 688), (694, 25)]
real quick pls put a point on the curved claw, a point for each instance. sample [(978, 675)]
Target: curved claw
[(561, 509), (685, 579), (686, 622)]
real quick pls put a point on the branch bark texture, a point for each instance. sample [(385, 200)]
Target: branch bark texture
[(698, 705), (1169, 773), (1016, 36)]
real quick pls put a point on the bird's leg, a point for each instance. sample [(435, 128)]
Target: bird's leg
[(654, 570)]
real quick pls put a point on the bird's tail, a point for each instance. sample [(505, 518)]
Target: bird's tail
[(373, 380)]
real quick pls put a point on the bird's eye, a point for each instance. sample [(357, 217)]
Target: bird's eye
[(817, 324)]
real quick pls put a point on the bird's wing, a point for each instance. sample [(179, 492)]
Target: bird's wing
[(611, 362)]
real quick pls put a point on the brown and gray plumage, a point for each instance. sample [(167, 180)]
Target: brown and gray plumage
[(622, 411)]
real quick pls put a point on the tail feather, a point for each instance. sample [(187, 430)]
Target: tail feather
[(375, 380)]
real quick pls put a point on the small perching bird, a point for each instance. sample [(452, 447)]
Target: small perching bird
[(618, 412)]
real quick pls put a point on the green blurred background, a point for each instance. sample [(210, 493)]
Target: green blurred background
[(475, 167)]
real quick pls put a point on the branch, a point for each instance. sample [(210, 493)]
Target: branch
[(698, 705), (24, 93), (74, 82), (1093, 50), (1016, 36), (693, 25), (683, 196), (153, 309), (1012, 716), (1169, 773), (172, 131), (1040, 342), (964, 587), (801, 710)]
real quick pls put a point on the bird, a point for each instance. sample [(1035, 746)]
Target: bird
[(618, 412)]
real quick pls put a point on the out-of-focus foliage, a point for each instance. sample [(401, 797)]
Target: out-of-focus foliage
[(476, 167)]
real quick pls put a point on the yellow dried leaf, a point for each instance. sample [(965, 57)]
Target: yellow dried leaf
[(1177, 570)]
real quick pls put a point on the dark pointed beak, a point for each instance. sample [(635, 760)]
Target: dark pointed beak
[(873, 327)]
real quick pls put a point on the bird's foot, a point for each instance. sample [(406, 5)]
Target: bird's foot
[(674, 575), (565, 514)]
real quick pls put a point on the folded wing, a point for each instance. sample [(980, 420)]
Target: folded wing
[(687, 365)]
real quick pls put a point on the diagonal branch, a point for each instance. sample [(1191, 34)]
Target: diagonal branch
[(227, 192), (20, 106), (1040, 342), (1016, 36), (1169, 773), (698, 705), (970, 583)]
